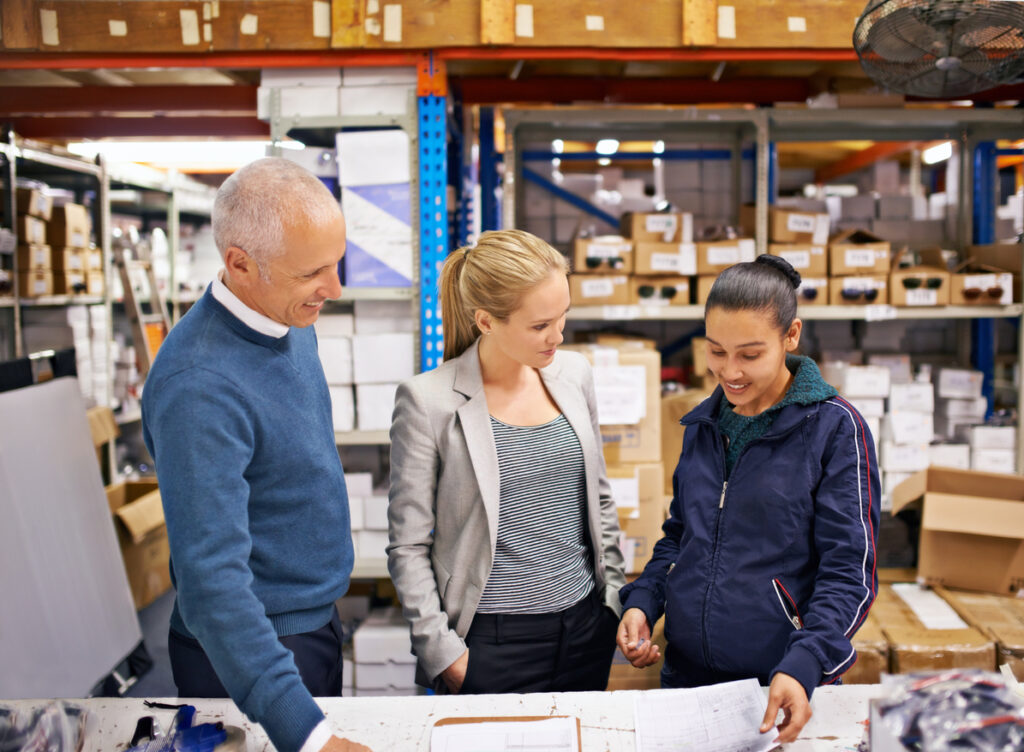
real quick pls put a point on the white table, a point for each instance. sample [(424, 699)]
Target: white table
[(404, 723)]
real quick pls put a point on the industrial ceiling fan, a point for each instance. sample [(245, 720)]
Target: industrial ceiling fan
[(941, 48)]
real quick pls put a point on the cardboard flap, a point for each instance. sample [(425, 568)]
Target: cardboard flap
[(1005, 256), (102, 425), (958, 482), (932, 256), (973, 515), (142, 516)]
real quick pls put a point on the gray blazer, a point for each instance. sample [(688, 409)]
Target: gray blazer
[(443, 510)]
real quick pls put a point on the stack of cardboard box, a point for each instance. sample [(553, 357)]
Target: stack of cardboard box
[(35, 278), (382, 653)]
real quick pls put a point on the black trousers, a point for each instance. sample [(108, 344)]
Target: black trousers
[(317, 656), (569, 651)]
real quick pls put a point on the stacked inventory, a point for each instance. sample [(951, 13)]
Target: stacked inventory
[(35, 276), (83, 327), (382, 652), (368, 512), (76, 268)]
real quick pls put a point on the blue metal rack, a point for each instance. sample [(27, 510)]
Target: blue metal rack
[(983, 339), (489, 211), (433, 207)]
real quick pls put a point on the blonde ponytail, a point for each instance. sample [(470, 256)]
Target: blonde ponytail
[(492, 276)]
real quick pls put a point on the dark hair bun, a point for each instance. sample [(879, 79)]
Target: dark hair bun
[(779, 263)]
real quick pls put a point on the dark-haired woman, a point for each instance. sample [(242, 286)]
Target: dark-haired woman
[(767, 564)]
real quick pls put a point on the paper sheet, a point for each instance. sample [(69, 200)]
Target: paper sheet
[(719, 718), (548, 735)]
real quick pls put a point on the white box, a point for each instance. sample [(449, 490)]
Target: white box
[(359, 484), (382, 358), (903, 458), (335, 325), (375, 404), (964, 408), (371, 544), (375, 512), (355, 514), (869, 407), (994, 460), (875, 427), (288, 77), (913, 397), (955, 429), (950, 455), (958, 383), (385, 675), (336, 358), (866, 381), (994, 437), (908, 427), (898, 365), (378, 76), (343, 409), (383, 317), (308, 101), (386, 99), (383, 636)]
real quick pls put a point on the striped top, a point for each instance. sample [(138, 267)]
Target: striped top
[(542, 561)]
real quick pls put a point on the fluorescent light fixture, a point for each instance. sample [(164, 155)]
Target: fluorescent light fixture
[(607, 146), (659, 147), (200, 155), (604, 161), (938, 153), (557, 146)]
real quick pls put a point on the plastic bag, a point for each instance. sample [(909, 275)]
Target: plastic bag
[(54, 727)]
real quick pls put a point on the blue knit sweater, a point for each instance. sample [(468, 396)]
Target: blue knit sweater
[(239, 424)]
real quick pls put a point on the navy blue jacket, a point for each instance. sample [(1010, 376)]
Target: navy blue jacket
[(774, 570)]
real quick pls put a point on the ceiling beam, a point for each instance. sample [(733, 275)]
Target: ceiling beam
[(142, 127), (861, 159), (96, 100), (561, 89)]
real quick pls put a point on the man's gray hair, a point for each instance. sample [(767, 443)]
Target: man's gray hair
[(258, 201)]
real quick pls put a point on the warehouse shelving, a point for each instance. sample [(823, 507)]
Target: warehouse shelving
[(807, 313)]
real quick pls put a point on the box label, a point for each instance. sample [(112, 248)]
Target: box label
[(821, 228), (721, 255), (621, 393), (39, 287), (606, 250), (922, 297), (667, 262), (859, 258), (801, 223), (597, 288), (626, 492), (39, 257), (928, 607), (662, 224), (797, 259)]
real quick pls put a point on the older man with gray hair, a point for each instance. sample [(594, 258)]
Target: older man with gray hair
[(237, 416)]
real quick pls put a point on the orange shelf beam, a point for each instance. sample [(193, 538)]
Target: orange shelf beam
[(862, 159)]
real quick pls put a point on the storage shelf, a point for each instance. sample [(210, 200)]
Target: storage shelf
[(355, 438), (62, 300), (370, 569), (807, 313), (375, 293)]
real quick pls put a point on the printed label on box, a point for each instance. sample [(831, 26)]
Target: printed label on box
[(748, 249), (801, 222), (597, 288), (78, 239), (39, 287), (858, 257), (606, 250), (821, 228), (626, 492), (928, 607), (797, 259), (39, 257), (986, 282), (621, 393), (74, 261), (860, 283), (922, 297), (663, 224), (719, 255)]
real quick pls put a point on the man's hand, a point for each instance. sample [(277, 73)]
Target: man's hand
[(337, 744), (455, 674), (786, 694), (634, 639)]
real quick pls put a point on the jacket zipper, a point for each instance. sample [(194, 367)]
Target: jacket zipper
[(705, 642), (788, 604)]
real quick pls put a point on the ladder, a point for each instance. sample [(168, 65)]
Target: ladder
[(148, 327)]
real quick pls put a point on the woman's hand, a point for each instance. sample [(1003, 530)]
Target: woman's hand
[(788, 695), (455, 674), (634, 639)]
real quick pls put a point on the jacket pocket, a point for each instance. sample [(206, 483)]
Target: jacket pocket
[(789, 607)]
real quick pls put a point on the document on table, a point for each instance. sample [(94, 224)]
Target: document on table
[(719, 718), (559, 734)]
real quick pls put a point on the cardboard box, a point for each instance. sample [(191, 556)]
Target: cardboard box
[(858, 252), (69, 283), (69, 227), (919, 286), (704, 285), (337, 324), (673, 408), (139, 519), (958, 383), (999, 258), (36, 203), (994, 437), (857, 208), (604, 254), (336, 358), (914, 647), (674, 227), (865, 381), (375, 404), (717, 256), (872, 290), (35, 284), (31, 230), (94, 260), (994, 460), (968, 517), (812, 291), (95, 283), (811, 260), (660, 291), (957, 456), (343, 407), (606, 289), (665, 258), (645, 511), (903, 458), (68, 259), (32, 258), (627, 382), (999, 618), (981, 288), (907, 427), (379, 317), (368, 367), (916, 397), (789, 225), (872, 654)]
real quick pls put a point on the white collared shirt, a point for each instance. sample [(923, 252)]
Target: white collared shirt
[(245, 314), (321, 734)]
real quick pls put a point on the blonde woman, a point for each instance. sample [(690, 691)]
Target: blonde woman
[(503, 533)]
